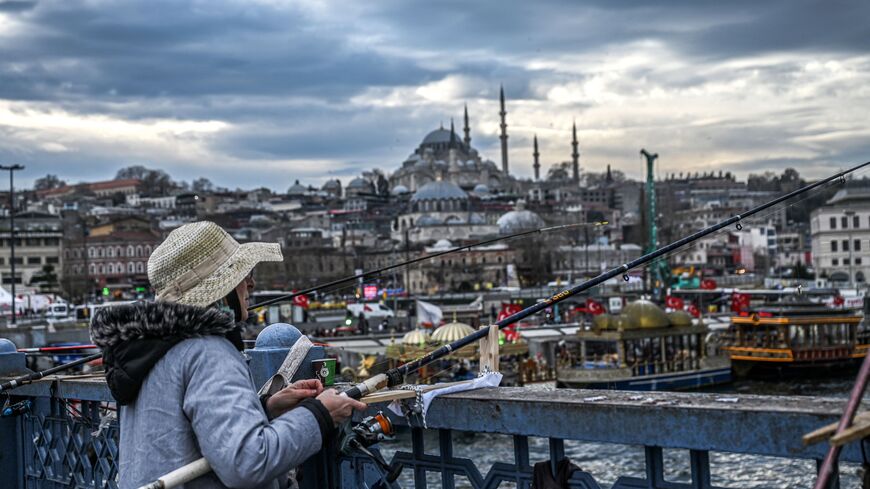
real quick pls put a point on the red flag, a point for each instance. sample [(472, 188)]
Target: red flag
[(693, 310), (708, 284), (508, 310), (739, 302), (674, 302), (594, 307), (839, 300), (301, 301)]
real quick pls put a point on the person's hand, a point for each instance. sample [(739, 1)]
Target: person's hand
[(290, 396), (339, 407)]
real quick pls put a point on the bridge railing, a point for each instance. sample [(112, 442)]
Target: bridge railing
[(68, 438)]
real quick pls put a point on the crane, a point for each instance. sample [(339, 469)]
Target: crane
[(659, 272)]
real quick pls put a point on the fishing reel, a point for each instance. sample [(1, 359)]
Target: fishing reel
[(371, 430)]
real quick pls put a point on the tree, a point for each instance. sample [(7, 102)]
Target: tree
[(202, 185), (47, 279), (154, 182), (137, 171), (48, 182)]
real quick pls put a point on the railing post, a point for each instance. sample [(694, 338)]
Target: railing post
[(654, 467), (700, 463), (445, 442)]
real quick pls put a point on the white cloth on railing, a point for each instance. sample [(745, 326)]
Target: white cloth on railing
[(488, 379)]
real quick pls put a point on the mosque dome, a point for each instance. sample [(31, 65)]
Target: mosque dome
[(439, 190), (416, 338), (359, 184), (399, 189), (443, 244), (439, 136), (519, 220), (644, 314), (481, 189), (331, 185), (451, 332), (297, 189)]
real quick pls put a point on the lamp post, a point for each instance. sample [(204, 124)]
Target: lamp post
[(12, 169)]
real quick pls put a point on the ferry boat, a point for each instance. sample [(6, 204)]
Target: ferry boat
[(643, 349), (795, 338)]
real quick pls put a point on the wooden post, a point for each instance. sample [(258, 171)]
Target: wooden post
[(489, 352)]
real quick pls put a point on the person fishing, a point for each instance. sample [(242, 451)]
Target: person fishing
[(175, 366)]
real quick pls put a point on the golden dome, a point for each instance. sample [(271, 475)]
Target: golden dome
[(680, 318), (604, 321), (451, 332), (644, 314), (416, 337)]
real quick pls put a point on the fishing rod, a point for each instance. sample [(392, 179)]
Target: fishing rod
[(26, 379), (422, 258), (395, 376), (45, 349), (38, 375)]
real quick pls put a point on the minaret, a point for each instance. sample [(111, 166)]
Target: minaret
[(575, 156), (467, 138), (537, 165), (452, 136), (504, 136)]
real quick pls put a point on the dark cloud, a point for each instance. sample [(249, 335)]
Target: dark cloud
[(287, 79)]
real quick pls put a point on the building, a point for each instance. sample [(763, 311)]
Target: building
[(840, 235), (37, 251), (479, 268)]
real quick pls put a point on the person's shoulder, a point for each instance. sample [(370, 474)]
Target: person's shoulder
[(212, 346)]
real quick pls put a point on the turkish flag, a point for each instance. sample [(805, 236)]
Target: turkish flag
[(739, 302), (594, 307), (301, 301), (708, 284), (674, 302), (508, 310), (693, 310)]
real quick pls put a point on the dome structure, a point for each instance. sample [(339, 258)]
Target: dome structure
[(359, 184), (519, 220), (680, 318), (481, 189), (331, 185), (416, 337), (297, 189), (439, 136), (644, 314), (443, 244), (451, 332), (439, 190), (399, 190)]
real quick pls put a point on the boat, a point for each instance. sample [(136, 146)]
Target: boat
[(643, 349), (795, 338)]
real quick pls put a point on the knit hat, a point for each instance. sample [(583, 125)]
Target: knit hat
[(200, 263)]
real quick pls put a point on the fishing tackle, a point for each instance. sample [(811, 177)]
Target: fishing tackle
[(26, 379)]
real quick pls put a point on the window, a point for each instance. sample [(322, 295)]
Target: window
[(835, 262), (110, 268), (100, 269), (18, 260), (131, 267), (110, 252), (2, 260), (92, 269), (139, 250), (845, 245), (833, 223), (844, 222), (91, 252), (846, 262), (52, 259), (834, 246), (130, 250), (34, 260), (858, 260), (857, 246), (147, 250), (140, 267), (856, 222)]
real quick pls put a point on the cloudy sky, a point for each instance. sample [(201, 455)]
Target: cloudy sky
[(262, 92)]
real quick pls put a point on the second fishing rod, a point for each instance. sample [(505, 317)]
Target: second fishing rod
[(395, 376)]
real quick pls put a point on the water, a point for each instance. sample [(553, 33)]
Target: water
[(607, 462)]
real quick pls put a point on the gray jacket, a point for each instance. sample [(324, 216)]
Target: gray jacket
[(198, 400)]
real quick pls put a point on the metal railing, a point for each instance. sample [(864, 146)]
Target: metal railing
[(68, 438)]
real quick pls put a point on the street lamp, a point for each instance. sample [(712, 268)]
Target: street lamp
[(12, 169)]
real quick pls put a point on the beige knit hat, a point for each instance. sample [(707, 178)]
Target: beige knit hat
[(199, 263)]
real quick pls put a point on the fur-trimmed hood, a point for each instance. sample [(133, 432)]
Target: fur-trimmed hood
[(112, 325), (134, 337)]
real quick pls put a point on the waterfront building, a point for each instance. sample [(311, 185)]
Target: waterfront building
[(37, 249), (840, 233)]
